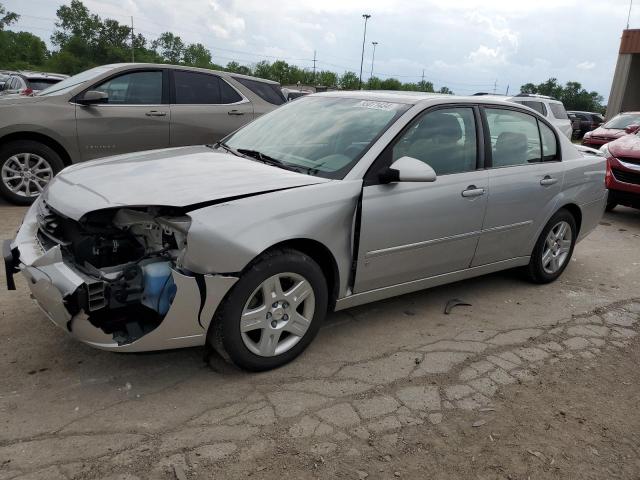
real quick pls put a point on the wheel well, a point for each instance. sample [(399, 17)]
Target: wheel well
[(576, 212), (323, 257), (39, 137)]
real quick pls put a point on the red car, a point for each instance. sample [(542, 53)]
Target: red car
[(618, 126), (623, 171)]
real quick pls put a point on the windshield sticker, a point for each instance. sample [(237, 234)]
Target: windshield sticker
[(386, 106)]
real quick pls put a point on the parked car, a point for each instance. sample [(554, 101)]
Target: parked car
[(619, 126), (29, 83), (292, 94), (623, 171), (331, 201), (575, 124), (121, 108), (3, 79), (550, 108), (588, 121)]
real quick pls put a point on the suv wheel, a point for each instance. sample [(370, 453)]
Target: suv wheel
[(26, 167), (273, 312)]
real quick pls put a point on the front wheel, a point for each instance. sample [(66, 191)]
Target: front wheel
[(26, 167), (273, 312), (554, 248)]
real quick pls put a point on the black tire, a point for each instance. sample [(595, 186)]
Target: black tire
[(26, 146), (535, 270), (611, 204), (224, 333)]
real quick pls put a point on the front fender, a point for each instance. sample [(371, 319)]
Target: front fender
[(224, 238)]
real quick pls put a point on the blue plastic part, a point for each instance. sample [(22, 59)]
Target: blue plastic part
[(159, 288)]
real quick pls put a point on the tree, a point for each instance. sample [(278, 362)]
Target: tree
[(391, 84), (374, 83), (235, 67), (169, 47), (349, 81), (327, 78), (7, 18), (197, 55), (572, 95), (22, 50), (445, 90)]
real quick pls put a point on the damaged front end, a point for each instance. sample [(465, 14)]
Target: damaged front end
[(114, 278)]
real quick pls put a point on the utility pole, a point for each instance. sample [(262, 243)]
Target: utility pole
[(366, 17), (314, 68), (133, 57), (495, 85), (373, 58), (507, 92), (422, 83), (629, 16)]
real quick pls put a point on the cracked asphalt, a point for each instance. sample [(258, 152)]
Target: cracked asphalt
[(387, 390)]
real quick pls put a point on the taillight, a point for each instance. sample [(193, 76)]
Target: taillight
[(26, 91)]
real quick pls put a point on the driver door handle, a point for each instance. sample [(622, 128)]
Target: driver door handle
[(156, 113), (547, 180), (235, 112), (473, 191)]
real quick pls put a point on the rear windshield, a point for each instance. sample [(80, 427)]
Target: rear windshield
[(269, 92), (558, 111), (622, 121), (42, 83)]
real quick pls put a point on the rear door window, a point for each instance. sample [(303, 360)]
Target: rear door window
[(269, 92), (195, 88), (515, 139)]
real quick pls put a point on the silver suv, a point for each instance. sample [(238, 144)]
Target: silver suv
[(29, 83), (121, 108)]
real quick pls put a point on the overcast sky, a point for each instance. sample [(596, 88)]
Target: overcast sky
[(464, 44)]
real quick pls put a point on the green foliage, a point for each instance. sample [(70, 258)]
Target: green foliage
[(349, 81), (169, 47), (572, 95), (7, 18), (21, 50), (445, 90)]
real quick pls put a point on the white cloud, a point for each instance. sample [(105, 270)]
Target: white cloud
[(330, 38), (586, 65)]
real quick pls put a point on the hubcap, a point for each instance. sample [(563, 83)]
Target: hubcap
[(26, 174), (556, 247), (277, 314)]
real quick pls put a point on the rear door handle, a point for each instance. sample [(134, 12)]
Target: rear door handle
[(547, 180), (235, 112), (473, 191), (156, 113)]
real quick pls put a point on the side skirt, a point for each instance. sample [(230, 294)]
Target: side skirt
[(421, 284)]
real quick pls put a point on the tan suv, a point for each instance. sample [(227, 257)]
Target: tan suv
[(121, 108)]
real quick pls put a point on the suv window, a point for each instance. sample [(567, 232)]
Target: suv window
[(194, 88), (558, 111), (135, 88), (42, 83), (537, 106), (269, 92), (444, 139), (515, 139)]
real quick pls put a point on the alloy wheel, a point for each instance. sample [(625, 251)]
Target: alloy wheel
[(277, 314), (26, 174), (557, 247)]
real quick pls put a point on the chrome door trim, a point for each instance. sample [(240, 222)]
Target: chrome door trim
[(416, 245), (511, 226), (415, 285)]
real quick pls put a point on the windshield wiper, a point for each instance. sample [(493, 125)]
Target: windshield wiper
[(267, 159), (226, 147)]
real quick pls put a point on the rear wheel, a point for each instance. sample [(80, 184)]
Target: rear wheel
[(273, 312), (611, 204), (554, 248), (26, 167)]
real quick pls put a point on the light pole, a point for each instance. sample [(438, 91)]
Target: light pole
[(366, 17), (373, 57)]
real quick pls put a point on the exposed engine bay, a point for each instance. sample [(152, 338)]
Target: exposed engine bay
[(126, 256)]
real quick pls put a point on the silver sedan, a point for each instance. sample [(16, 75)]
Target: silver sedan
[(331, 201)]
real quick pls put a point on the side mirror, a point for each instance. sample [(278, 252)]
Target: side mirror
[(633, 128), (408, 169), (93, 97)]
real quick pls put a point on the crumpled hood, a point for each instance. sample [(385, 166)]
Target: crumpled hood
[(178, 177), (627, 146)]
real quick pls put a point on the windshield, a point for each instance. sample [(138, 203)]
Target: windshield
[(321, 136), (68, 83), (622, 121)]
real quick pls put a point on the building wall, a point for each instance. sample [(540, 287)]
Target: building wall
[(625, 88)]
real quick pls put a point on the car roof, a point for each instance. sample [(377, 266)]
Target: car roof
[(194, 69), (414, 98)]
